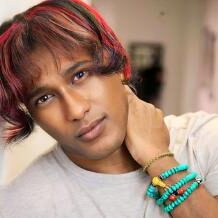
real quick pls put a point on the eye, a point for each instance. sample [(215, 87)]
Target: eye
[(80, 76), (43, 99)]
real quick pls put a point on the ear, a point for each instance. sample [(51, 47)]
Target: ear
[(122, 78)]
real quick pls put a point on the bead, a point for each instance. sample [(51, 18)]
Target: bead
[(170, 190), (172, 198), (179, 201), (174, 188), (182, 198), (198, 179), (180, 191), (183, 182), (152, 192), (189, 191), (185, 194), (156, 181), (172, 205), (165, 209), (177, 186)]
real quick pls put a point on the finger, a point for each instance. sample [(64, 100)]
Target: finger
[(130, 94), (160, 112), (129, 90), (159, 118)]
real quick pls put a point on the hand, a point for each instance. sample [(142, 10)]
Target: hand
[(147, 134)]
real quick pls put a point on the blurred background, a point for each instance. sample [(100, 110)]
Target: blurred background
[(172, 45)]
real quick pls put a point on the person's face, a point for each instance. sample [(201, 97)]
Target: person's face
[(85, 113)]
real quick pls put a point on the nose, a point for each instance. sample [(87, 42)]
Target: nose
[(75, 106)]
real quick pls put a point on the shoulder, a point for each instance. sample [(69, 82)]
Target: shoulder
[(191, 121), (194, 139), (192, 125)]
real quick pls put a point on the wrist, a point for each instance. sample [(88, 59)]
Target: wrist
[(161, 165), (146, 158)]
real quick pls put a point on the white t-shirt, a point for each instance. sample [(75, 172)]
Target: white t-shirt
[(54, 187)]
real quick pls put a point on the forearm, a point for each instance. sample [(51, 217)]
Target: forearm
[(199, 204)]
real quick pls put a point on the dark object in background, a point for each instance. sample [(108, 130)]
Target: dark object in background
[(147, 68), (148, 83)]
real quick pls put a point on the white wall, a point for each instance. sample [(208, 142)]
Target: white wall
[(192, 54), (13, 7), (8, 10), (176, 24), (211, 22)]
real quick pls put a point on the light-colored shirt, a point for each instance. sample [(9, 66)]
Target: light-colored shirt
[(54, 187)]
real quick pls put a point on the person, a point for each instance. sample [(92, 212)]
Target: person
[(63, 68)]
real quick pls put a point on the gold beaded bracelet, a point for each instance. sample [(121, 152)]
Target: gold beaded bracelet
[(148, 164)]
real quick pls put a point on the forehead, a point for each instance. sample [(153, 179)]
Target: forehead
[(48, 53), (47, 61)]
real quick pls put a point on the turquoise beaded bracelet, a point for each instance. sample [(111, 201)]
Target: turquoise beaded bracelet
[(174, 170), (152, 191), (169, 208), (175, 187)]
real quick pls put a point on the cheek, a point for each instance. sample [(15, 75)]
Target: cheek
[(108, 92), (50, 121), (118, 115), (115, 100)]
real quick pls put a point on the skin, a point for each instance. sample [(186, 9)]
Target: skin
[(68, 102), (134, 132)]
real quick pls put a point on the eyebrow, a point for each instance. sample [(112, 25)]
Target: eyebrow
[(74, 67), (40, 89)]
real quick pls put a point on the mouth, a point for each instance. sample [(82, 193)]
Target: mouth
[(92, 131)]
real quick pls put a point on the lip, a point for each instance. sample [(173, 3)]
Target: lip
[(91, 131)]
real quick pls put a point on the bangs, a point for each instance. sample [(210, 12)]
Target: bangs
[(60, 37)]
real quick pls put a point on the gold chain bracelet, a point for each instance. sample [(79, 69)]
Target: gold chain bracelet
[(148, 164)]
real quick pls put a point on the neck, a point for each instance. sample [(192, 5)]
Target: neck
[(119, 162)]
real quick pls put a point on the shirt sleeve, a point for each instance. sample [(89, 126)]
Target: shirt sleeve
[(206, 150)]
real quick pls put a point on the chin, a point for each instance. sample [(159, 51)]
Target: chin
[(103, 150)]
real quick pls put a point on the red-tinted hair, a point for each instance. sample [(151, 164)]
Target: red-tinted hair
[(54, 25)]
